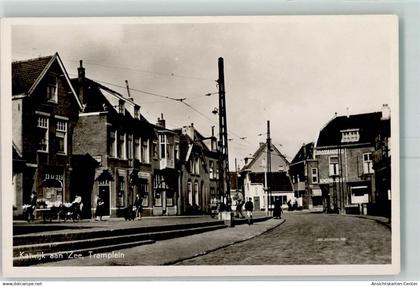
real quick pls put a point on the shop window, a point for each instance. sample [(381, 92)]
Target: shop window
[(61, 136), (43, 123), (144, 192), (121, 191), (170, 194)]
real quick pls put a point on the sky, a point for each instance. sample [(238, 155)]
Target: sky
[(296, 72)]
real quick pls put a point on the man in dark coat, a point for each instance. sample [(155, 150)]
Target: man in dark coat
[(249, 208)]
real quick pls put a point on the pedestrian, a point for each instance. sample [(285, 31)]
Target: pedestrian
[(277, 209), (239, 209), (100, 208), (138, 203), (249, 208), (32, 207), (222, 208)]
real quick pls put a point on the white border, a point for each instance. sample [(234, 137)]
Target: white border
[(189, 271)]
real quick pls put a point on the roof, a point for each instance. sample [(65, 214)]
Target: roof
[(305, 152), (280, 181), (259, 152), (25, 73), (368, 125)]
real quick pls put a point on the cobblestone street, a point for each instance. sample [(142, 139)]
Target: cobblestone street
[(309, 239)]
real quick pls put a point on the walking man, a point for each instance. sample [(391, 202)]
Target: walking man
[(138, 203), (249, 208)]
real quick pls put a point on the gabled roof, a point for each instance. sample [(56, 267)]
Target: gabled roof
[(368, 125), (27, 74), (259, 152), (305, 152)]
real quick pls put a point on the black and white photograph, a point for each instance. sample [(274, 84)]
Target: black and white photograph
[(254, 145)]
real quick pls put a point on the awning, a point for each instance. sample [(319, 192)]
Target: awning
[(316, 193)]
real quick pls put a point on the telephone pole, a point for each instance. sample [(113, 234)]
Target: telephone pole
[(224, 178), (268, 166)]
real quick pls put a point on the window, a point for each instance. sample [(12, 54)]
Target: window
[(177, 151), (195, 193), (211, 174), (217, 172), (144, 193), (333, 166), (120, 191), (197, 166), (314, 173), (367, 163), (137, 148), (43, 133), (52, 89), (212, 192), (351, 135), (61, 134), (137, 112), (155, 150), (121, 145), (121, 108), (145, 151), (190, 195), (111, 143), (130, 146), (162, 142)]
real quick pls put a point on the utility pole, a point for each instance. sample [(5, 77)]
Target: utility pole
[(224, 178), (268, 166)]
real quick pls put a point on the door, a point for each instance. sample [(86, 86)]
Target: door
[(257, 203), (104, 193)]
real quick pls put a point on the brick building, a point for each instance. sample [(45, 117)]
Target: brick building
[(199, 171), (344, 154), (166, 171), (45, 111), (255, 178), (304, 174), (382, 165), (112, 131)]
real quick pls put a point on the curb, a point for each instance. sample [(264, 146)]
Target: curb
[(387, 224), (223, 246)]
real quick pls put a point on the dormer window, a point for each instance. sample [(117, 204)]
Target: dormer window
[(137, 112), (350, 135), (121, 108), (52, 89)]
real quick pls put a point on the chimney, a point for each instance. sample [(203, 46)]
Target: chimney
[(348, 112), (81, 80), (128, 91), (161, 122), (386, 112)]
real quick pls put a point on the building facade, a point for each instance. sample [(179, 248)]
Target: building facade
[(304, 173), (45, 112), (199, 171), (344, 152), (112, 131), (256, 181)]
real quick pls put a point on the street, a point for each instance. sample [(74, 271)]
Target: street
[(304, 238), (310, 239)]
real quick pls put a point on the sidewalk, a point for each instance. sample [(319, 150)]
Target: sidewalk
[(171, 251)]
